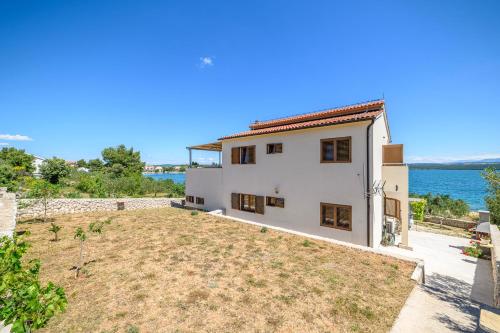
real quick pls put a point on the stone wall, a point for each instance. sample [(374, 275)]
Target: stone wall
[(29, 208), (495, 262), (464, 224), (8, 209)]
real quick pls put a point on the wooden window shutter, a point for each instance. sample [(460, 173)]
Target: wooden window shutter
[(251, 155), (235, 155), (343, 150), (235, 201), (259, 204)]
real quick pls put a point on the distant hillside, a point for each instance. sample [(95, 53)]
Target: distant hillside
[(481, 165)]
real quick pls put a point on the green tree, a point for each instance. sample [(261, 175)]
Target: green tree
[(122, 161), (492, 177), (95, 165), (24, 301), (55, 229), (8, 177), (81, 164), (18, 159), (82, 237), (43, 191), (54, 169)]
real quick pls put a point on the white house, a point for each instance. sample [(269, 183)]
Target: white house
[(331, 173), (37, 163)]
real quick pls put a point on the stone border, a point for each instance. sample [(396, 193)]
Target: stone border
[(495, 263), (464, 224), (31, 208)]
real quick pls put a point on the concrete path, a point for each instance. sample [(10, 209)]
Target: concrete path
[(456, 287)]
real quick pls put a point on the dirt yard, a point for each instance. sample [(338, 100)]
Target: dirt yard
[(165, 270)]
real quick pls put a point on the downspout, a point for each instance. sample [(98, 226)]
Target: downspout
[(368, 186)]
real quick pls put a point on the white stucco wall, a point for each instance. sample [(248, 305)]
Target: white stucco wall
[(380, 137), (302, 180), (396, 187), (207, 184)]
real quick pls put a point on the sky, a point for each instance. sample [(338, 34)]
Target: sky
[(79, 76)]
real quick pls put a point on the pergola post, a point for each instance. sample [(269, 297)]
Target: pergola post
[(220, 163), (190, 157)]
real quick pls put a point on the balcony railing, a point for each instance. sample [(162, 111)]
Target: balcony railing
[(392, 154)]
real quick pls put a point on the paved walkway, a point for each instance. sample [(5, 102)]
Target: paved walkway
[(456, 287)]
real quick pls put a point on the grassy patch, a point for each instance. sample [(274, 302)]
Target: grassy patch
[(167, 270)]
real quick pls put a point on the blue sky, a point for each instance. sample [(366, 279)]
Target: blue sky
[(78, 76)]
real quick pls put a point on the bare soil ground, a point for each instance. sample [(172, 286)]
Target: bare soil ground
[(165, 270)]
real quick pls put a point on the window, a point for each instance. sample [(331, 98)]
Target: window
[(247, 202), (336, 216), (243, 155), (189, 198), (336, 150), (200, 201), (275, 202), (274, 148), (392, 207)]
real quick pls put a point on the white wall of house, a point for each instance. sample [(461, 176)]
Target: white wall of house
[(298, 176), (380, 137), (207, 184)]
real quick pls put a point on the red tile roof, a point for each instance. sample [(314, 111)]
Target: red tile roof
[(346, 114)]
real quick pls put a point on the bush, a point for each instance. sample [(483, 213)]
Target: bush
[(418, 209), (24, 302), (54, 169), (492, 177), (443, 205)]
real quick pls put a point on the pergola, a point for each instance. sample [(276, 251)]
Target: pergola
[(214, 146)]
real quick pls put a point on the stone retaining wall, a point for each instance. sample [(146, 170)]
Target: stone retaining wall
[(29, 208), (8, 208), (495, 263), (450, 222)]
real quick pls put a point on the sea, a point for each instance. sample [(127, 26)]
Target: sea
[(467, 185)]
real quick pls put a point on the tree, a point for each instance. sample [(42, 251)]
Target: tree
[(492, 177), (95, 165), (18, 159), (43, 191), (54, 169), (81, 164), (24, 302), (55, 229), (8, 177), (122, 161), (81, 236)]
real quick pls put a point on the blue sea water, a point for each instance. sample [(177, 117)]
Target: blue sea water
[(467, 185), (459, 184), (176, 177)]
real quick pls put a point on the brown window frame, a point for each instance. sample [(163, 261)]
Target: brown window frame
[(237, 155), (200, 201), (335, 221), (189, 198), (275, 202), (334, 142), (397, 207), (238, 203), (274, 149)]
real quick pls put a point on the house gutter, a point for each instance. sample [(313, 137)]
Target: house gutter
[(368, 189)]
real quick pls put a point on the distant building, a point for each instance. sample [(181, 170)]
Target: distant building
[(37, 163), (149, 168), (72, 164)]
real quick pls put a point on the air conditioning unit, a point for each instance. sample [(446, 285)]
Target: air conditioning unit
[(390, 225)]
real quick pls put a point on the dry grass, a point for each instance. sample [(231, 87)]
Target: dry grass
[(164, 270), (441, 229)]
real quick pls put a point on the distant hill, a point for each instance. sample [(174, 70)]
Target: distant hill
[(470, 165)]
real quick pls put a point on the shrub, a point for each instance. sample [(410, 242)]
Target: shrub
[(24, 302), (263, 230), (54, 169), (492, 177), (418, 209), (55, 229), (194, 212), (443, 205), (474, 250)]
